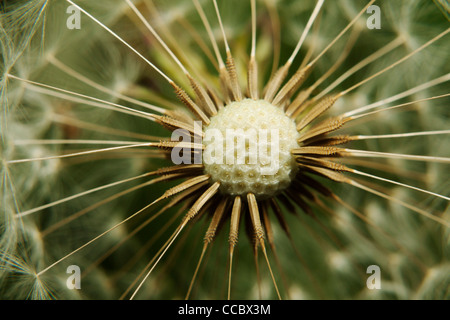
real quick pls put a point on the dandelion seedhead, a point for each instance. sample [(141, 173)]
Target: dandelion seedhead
[(132, 130)]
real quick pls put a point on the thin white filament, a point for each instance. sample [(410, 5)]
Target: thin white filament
[(123, 41), (375, 154), (82, 153), (81, 194), (400, 184), (156, 35), (310, 22)]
